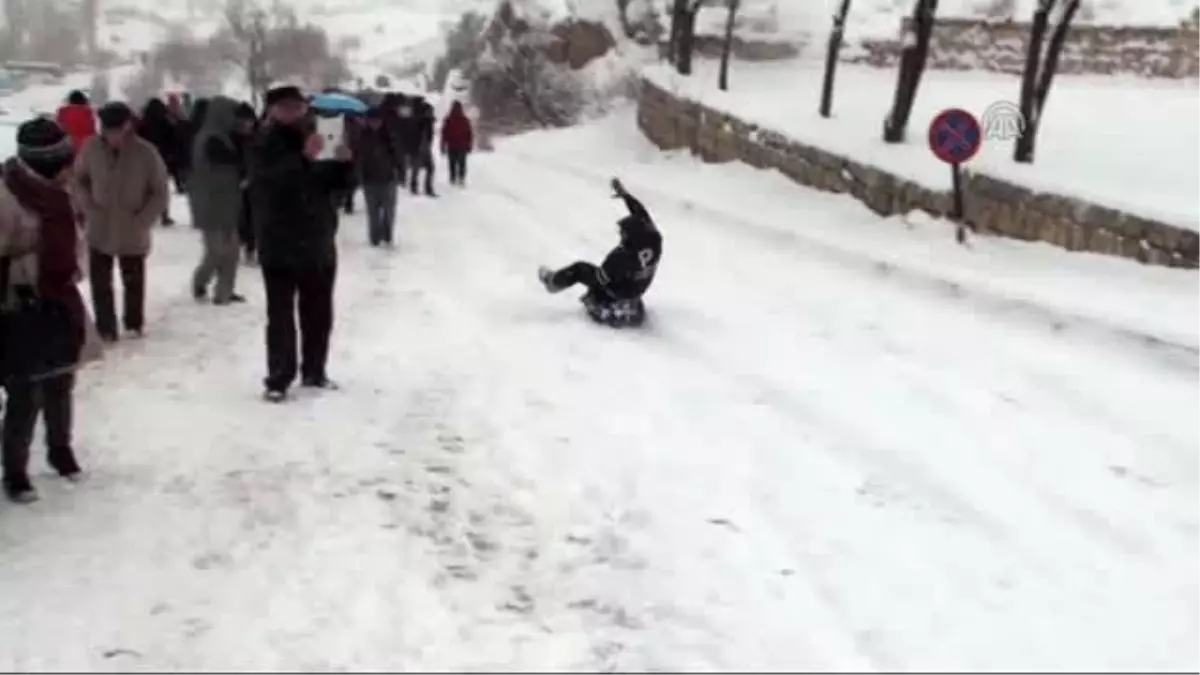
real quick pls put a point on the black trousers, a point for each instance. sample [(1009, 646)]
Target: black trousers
[(417, 163), (458, 165), (53, 398), (246, 226), (307, 292), (581, 273), (133, 279)]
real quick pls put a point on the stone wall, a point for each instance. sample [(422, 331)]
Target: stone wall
[(991, 205), (749, 49), (973, 44)]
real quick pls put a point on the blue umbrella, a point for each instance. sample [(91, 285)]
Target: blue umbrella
[(338, 103)]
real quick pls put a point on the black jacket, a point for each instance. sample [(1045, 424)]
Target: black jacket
[(376, 156), (292, 200), (417, 128), (629, 269)]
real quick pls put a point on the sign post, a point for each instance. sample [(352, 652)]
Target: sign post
[(955, 137)]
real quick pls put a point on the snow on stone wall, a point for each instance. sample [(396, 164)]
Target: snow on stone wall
[(973, 44)]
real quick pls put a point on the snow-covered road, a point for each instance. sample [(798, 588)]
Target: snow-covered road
[(799, 464)]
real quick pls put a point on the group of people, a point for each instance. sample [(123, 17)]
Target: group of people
[(80, 200), (86, 189), (394, 141)]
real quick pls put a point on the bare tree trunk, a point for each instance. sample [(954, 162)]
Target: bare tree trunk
[(16, 28), (727, 46), (912, 66), (687, 37), (1037, 80), (678, 11), (91, 17), (1023, 149), (831, 57), (623, 17)]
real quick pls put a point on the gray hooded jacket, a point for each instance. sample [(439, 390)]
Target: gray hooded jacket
[(214, 187)]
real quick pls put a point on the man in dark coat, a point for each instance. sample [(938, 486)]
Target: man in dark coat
[(215, 198), (378, 168), (418, 117), (292, 196), (615, 288), (159, 128)]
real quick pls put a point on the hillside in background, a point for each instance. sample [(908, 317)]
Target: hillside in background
[(399, 32)]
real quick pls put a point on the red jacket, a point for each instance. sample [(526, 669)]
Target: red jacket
[(456, 130), (79, 122)]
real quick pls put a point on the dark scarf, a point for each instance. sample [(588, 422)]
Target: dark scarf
[(58, 266)]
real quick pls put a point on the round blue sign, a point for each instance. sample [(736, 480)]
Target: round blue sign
[(955, 136)]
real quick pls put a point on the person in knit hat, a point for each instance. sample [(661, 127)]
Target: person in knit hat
[(121, 183), (40, 362), (292, 196)]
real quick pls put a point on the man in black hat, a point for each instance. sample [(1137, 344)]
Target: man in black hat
[(292, 196)]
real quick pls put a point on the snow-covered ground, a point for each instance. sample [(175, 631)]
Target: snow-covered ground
[(806, 461), (1123, 142)]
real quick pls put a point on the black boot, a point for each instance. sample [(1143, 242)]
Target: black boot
[(63, 461), (318, 382), (18, 489)]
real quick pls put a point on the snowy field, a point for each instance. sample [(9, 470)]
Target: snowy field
[(1124, 142), (806, 461)]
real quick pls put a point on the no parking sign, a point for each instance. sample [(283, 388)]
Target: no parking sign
[(955, 136)]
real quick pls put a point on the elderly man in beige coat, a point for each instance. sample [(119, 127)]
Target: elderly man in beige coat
[(122, 189)]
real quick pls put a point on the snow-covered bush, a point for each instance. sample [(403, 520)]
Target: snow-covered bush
[(463, 46), (143, 85), (516, 81)]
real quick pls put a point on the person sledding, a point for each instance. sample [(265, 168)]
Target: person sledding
[(615, 288)]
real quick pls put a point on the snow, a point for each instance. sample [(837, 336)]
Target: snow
[(806, 461), (1115, 141)]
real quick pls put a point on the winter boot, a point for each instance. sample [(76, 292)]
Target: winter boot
[(233, 299), (546, 276), (320, 382), (275, 395), (19, 489), (62, 460)]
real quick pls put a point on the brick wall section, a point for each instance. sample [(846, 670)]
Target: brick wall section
[(992, 205), (973, 44)]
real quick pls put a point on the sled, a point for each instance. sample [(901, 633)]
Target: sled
[(615, 313)]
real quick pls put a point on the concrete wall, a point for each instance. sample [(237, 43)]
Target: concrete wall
[(973, 44), (991, 205)]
